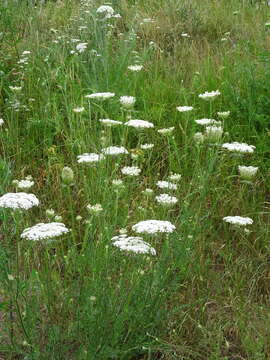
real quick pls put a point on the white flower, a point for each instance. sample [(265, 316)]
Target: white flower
[(239, 147), (184, 108), (166, 199), (81, 47), (247, 172), (94, 209), (135, 67), (134, 244), (185, 35), (127, 101), (198, 137), (205, 122), (238, 220), (146, 146), (43, 231), (109, 122), (139, 124), (114, 150), (209, 95), (90, 158), (23, 184), (223, 114), (148, 192), (1, 122), (107, 10), (18, 200), (78, 109), (213, 133), (153, 227), (101, 96), (15, 88), (175, 177), (166, 131), (117, 183), (166, 185), (131, 170)]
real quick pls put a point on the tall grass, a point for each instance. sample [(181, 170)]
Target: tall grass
[(205, 295)]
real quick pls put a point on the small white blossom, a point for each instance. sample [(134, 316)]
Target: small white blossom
[(139, 124), (146, 146), (1, 122), (81, 47), (213, 133), (153, 227), (209, 95), (239, 147), (79, 109), (100, 96), (184, 108), (15, 88), (127, 101), (114, 150), (117, 183), (131, 170), (223, 114), (20, 200), (148, 192), (166, 199), (24, 184), (198, 137), (109, 122), (90, 158), (166, 185), (94, 209), (134, 244), (247, 172), (175, 177), (106, 10), (206, 122), (45, 231), (166, 131), (135, 67), (238, 220)]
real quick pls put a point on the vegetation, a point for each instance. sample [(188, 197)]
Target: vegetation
[(205, 294)]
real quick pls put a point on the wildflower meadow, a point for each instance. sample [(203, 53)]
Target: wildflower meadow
[(135, 191)]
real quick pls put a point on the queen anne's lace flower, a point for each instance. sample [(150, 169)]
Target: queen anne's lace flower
[(135, 67), (139, 124), (20, 200), (101, 96), (239, 147), (166, 185), (106, 10), (78, 109), (1, 122), (24, 184), (114, 150), (146, 146), (247, 172), (127, 101), (81, 47), (90, 158), (184, 108), (206, 122), (166, 199), (166, 131), (134, 244), (174, 177), (153, 227), (223, 114), (45, 231), (238, 220), (109, 122), (131, 170), (209, 95), (213, 133)]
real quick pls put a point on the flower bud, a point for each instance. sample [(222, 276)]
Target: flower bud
[(67, 175)]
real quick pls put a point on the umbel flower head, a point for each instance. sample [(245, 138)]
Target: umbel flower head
[(184, 108), (135, 67), (109, 122), (24, 184), (133, 244), (127, 101), (139, 124), (100, 96), (153, 227), (90, 158), (238, 220), (106, 10), (239, 147), (209, 95), (131, 170), (114, 150), (166, 185), (247, 172), (166, 199), (45, 231), (213, 133), (207, 122), (20, 201)]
